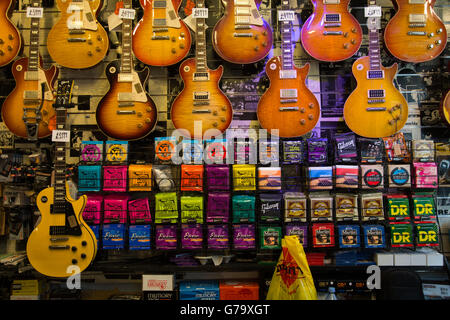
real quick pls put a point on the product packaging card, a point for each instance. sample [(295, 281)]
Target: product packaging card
[(139, 237), (166, 237), (216, 151), (244, 177), (93, 209), (199, 290), (396, 148), (423, 150), (191, 177), (191, 236), (349, 236), (269, 152), (398, 207), (218, 207), (243, 208), (322, 235), (374, 236), (166, 207), (399, 175), (269, 178), (113, 236), (423, 207), (345, 150), (115, 178), (371, 150), (346, 207), (294, 207), (301, 231), (165, 148), (427, 234), (217, 177), (116, 151), (270, 237), (244, 236), (192, 151), (140, 177), (270, 209), (321, 207), (372, 208), (372, 176), (89, 178), (164, 178), (92, 151), (317, 150), (218, 237), (291, 177), (320, 178), (401, 235), (115, 208), (139, 211), (239, 290), (346, 176), (191, 209), (425, 175), (244, 151), (293, 151)]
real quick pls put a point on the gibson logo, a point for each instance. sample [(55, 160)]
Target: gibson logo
[(346, 144), (269, 206)]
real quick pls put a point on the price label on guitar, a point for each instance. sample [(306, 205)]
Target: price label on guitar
[(372, 12), (127, 13), (35, 12), (61, 136), (286, 15), (200, 13)]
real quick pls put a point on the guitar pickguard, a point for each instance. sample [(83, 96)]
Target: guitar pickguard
[(167, 20), (42, 79), (87, 21), (137, 94)]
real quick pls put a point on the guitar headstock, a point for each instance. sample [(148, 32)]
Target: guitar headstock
[(64, 94)]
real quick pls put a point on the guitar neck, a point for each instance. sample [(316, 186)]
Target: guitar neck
[(33, 56), (60, 161), (126, 65), (287, 52), (374, 45), (200, 41)]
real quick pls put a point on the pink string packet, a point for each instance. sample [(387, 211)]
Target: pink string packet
[(115, 208), (425, 175), (93, 209), (115, 178), (139, 211)]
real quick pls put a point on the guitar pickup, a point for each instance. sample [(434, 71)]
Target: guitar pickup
[(375, 74), (76, 40), (289, 101), (160, 30), (332, 25), (31, 95), (125, 97), (242, 11), (201, 76), (159, 22), (417, 18), (242, 20), (288, 74), (288, 93), (55, 247), (376, 94), (416, 1), (160, 38), (159, 4), (332, 17), (373, 101), (288, 108), (125, 77), (417, 33), (76, 31), (241, 2), (243, 35), (201, 95), (331, 1), (125, 112), (332, 33), (201, 111), (31, 76), (375, 109)]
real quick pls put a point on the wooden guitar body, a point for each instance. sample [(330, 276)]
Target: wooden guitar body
[(78, 49), (135, 115), (10, 38), (279, 109), (375, 117), (161, 45), (445, 108), (212, 108), (242, 45), (13, 106), (79, 250), (415, 33), (331, 33)]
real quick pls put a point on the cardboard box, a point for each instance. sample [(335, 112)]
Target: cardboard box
[(199, 290), (384, 259), (157, 282), (402, 259), (435, 259), (239, 290), (418, 259)]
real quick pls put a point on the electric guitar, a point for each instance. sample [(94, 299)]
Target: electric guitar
[(126, 112), (161, 38), (375, 109), (331, 33), (10, 39), (288, 105), (242, 35), (62, 243), (28, 110), (78, 40), (201, 101), (445, 108), (415, 33)]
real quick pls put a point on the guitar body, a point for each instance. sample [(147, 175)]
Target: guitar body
[(344, 36), (130, 122), (12, 109), (55, 262), (158, 46), (375, 123), (299, 117), (445, 108), (83, 50), (232, 45), (10, 39), (217, 114), (415, 18)]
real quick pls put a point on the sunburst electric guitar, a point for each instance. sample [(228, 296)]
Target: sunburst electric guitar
[(28, 110), (62, 243), (288, 105), (331, 33), (10, 39), (415, 33), (201, 105), (126, 112), (78, 40), (242, 35), (161, 38), (375, 109)]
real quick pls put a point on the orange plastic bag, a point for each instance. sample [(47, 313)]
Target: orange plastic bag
[(292, 279)]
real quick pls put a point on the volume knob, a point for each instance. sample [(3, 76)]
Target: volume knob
[(430, 46)]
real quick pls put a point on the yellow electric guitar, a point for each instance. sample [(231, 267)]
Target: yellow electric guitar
[(62, 244)]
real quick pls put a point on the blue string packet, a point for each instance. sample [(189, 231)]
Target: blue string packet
[(139, 237), (113, 236)]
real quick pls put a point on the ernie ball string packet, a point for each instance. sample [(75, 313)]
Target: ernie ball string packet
[(115, 178), (140, 177), (217, 177), (191, 177), (115, 208), (166, 207), (191, 209), (93, 209), (218, 207), (243, 207), (89, 178), (244, 177), (139, 211)]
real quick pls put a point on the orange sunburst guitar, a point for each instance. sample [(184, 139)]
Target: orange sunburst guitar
[(201, 106), (415, 33), (77, 40), (375, 109), (62, 243), (288, 105), (331, 33), (242, 35), (28, 110), (445, 108), (126, 112), (10, 39), (161, 38)]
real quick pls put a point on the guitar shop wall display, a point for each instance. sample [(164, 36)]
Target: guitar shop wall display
[(350, 94)]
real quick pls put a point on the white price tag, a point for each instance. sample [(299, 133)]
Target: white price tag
[(286, 15), (200, 13), (35, 12), (127, 13), (372, 12), (61, 136)]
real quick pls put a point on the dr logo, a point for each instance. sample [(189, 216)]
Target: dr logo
[(401, 237), (399, 210), (427, 236), (426, 209)]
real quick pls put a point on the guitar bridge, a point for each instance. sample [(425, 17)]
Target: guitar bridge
[(417, 33), (243, 35), (332, 33), (160, 38), (288, 108)]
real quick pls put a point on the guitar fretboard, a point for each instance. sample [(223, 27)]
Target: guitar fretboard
[(60, 161), (33, 56), (127, 54), (374, 45), (287, 51), (200, 41)]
